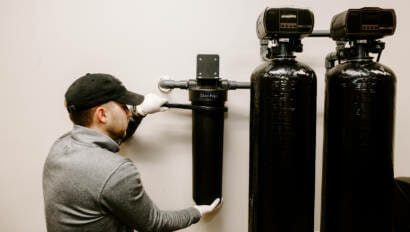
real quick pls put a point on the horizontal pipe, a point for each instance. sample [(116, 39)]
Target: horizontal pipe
[(235, 85), (195, 107), (320, 33), (171, 84)]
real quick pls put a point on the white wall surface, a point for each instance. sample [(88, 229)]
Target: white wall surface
[(46, 44)]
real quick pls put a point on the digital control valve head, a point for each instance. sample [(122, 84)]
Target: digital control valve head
[(364, 23), (276, 23)]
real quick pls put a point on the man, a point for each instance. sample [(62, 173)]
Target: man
[(86, 186)]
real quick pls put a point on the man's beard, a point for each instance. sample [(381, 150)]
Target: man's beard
[(118, 136)]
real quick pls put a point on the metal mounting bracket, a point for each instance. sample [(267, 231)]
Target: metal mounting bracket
[(207, 66)]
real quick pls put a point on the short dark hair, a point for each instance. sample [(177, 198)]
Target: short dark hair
[(83, 117)]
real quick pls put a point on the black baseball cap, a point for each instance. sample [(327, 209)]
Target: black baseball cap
[(94, 89)]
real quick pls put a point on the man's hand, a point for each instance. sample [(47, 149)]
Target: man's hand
[(152, 103), (204, 209)]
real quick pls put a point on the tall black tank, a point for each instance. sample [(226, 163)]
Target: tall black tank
[(357, 189), (282, 127)]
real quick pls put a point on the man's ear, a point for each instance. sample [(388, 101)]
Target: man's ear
[(101, 114)]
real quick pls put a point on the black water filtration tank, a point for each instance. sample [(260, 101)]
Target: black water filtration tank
[(357, 189), (282, 147), (207, 140)]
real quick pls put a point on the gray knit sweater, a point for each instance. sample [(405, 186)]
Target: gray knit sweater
[(87, 187)]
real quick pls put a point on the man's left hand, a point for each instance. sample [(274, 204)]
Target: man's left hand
[(152, 103)]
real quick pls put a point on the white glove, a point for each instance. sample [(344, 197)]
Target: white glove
[(204, 209), (152, 103)]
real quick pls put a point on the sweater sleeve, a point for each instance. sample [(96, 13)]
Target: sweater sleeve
[(123, 195)]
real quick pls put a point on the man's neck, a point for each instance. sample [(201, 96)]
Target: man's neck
[(101, 130)]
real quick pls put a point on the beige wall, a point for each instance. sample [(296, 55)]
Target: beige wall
[(46, 44)]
